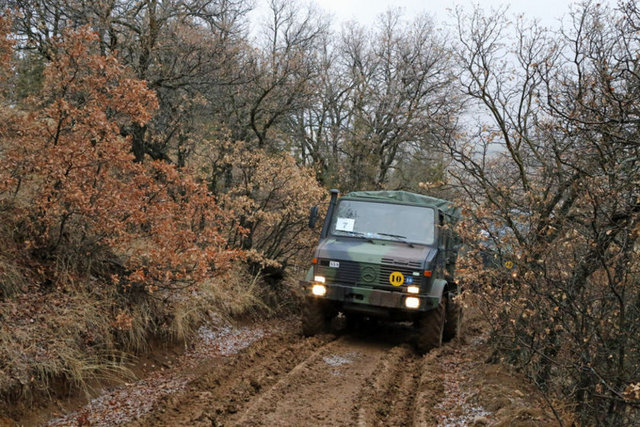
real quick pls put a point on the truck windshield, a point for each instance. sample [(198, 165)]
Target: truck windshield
[(384, 221)]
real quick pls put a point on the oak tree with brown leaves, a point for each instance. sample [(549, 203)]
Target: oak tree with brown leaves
[(69, 174)]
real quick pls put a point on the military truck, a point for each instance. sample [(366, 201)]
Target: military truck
[(386, 254)]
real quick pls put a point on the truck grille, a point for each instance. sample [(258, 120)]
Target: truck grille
[(365, 274)]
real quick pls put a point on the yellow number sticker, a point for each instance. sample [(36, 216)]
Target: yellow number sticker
[(509, 264), (396, 278)]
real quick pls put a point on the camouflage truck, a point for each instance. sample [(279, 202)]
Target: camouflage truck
[(386, 254)]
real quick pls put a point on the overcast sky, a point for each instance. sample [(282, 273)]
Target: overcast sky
[(366, 11)]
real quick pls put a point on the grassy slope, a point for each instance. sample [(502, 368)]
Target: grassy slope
[(62, 327)]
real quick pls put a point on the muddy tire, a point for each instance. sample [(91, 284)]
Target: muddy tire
[(430, 328), (452, 321), (315, 317)]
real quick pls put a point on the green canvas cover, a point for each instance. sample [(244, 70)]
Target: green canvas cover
[(407, 198)]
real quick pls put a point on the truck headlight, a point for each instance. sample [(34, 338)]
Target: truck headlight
[(413, 289), (319, 290), (319, 279), (412, 302)]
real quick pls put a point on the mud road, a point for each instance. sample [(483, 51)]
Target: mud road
[(369, 377)]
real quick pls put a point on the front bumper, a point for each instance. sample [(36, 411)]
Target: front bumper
[(354, 296)]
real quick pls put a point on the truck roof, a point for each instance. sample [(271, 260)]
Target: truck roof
[(407, 198)]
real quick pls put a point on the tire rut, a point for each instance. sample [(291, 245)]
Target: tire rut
[(228, 387), (388, 397), (319, 391), (370, 379), (262, 404), (430, 390)]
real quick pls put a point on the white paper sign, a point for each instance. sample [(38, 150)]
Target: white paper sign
[(345, 224)]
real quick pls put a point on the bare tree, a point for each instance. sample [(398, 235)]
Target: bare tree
[(183, 49), (286, 64), (551, 177), (384, 99)]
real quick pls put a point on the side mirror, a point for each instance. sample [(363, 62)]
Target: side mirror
[(313, 217)]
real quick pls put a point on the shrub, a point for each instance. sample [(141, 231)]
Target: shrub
[(70, 175), (267, 197), (98, 252)]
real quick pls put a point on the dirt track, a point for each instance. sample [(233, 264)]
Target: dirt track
[(267, 374), (366, 378)]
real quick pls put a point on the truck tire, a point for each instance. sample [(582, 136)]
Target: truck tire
[(430, 328), (315, 317), (452, 321)]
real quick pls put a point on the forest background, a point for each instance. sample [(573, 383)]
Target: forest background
[(158, 164)]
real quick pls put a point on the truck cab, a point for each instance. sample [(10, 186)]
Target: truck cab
[(386, 254)]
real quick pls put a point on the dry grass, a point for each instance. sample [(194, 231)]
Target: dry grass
[(45, 338), (61, 331), (232, 295), (64, 327), (12, 275)]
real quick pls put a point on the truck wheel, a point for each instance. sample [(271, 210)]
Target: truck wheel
[(452, 321), (315, 318), (430, 328)]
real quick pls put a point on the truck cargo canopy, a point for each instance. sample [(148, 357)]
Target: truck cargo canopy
[(407, 198)]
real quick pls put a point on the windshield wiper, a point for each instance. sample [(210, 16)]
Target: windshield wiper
[(397, 236), (359, 234), (393, 235)]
